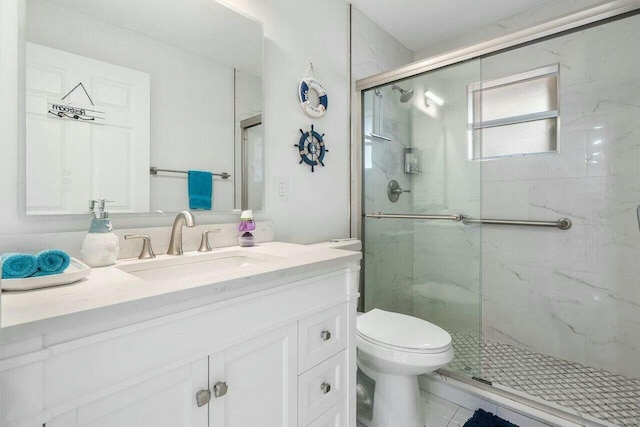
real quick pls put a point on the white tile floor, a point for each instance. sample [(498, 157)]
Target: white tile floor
[(589, 391), (442, 413)]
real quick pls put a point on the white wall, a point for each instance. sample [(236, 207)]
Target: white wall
[(298, 32), (318, 203)]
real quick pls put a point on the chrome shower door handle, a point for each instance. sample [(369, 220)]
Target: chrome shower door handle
[(638, 214)]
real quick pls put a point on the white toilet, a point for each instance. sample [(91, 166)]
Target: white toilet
[(393, 349)]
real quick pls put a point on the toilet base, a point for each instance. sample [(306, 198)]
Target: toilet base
[(396, 400)]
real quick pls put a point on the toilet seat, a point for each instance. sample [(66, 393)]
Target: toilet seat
[(405, 349), (399, 332)]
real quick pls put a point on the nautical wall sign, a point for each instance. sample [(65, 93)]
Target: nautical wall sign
[(66, 110)]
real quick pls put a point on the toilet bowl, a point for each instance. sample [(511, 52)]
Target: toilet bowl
[(393, 349)]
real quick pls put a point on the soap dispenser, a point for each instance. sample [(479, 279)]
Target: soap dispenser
[(100, 248)]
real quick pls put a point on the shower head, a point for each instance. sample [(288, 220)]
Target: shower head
[(405, 94)]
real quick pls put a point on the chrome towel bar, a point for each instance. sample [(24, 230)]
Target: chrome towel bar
[(154, 171), (562, 223)]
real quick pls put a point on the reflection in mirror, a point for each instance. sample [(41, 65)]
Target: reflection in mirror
[(252, 163), (248, 120), (158, 83)]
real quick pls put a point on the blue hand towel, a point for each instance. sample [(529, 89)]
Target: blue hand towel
[(18, 266), (52, 261), (200, 190)]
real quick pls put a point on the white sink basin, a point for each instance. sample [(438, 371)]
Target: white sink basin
[(193, 267)]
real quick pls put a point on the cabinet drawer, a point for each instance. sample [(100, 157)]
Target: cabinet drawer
[(334, 417), (322, 335), (321, 387)]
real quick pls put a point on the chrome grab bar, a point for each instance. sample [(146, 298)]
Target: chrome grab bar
[(454, 217), (562, 223)]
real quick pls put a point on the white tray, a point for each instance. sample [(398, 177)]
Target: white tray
[(76, 271)]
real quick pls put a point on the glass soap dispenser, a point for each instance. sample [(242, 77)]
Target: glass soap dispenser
[(101, 246)]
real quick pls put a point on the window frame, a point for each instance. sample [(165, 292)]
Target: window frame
[(552, 70)]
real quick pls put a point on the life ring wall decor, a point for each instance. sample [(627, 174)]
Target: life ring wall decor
[(312, 83), (311, 148)]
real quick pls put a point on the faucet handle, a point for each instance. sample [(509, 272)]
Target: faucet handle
[(147, 250), (204, 243)]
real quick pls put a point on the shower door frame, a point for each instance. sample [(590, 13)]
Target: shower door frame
[(565, 24), (581, 18)]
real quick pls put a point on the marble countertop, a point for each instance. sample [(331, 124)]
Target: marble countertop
[(111, 287)]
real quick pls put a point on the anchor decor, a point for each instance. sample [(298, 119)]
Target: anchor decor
[(66, 110), (311, 148)]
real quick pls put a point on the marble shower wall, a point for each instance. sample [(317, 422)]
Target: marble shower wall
[(572, 294), (388, 243)]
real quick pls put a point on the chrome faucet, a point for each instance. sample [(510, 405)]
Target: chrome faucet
[(175, 244)]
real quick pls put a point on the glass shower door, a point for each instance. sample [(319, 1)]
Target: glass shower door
[(416, 163)]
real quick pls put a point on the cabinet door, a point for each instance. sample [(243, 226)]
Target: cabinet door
[(261, 376), (167, 400)]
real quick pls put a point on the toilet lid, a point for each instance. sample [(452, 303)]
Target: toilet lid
[(402, 331)]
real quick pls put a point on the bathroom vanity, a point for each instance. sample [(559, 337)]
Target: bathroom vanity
[(263, 336)]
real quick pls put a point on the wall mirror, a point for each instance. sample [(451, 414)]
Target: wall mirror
[(122, 97)]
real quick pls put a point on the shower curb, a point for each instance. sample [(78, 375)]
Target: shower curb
[(453, 387)]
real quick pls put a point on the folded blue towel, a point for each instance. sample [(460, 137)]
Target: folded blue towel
[(200, 190), (52, 261), (18, 266)]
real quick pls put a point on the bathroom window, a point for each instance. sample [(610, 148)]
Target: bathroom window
[(514, 116)]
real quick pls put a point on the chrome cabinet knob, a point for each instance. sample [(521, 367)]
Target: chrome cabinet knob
[(220, 389), (326, 335), (325, 387), (203, 397), (147, 250)]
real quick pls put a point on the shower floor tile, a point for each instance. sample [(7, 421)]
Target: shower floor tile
[(600, 394)]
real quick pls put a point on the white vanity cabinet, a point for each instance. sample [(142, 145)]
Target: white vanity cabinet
[(259, 376), (163, 401), (280, 353)]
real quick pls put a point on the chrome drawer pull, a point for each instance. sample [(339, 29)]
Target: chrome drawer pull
[(326, 335), (325, 387)]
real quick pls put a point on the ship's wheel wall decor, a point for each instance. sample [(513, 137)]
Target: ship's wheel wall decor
[(311, 148)]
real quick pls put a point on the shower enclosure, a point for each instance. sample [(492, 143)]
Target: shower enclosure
[(500, 200)]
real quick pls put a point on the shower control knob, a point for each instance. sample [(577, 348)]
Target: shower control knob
[(394, 191), (326, 335)]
